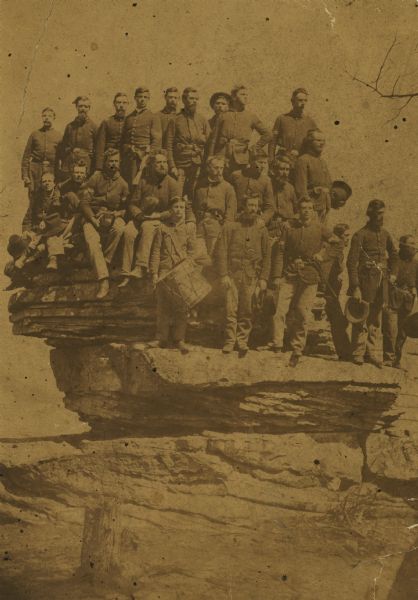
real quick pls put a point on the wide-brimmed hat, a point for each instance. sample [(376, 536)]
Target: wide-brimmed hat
[(356, 311), (17, 245), (410, 325), (217, 95), (340, 193), (264, 302)]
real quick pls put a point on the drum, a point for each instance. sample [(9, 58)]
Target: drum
[(186, 284)]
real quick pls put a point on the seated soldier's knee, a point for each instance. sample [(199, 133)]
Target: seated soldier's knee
[(130, 231)]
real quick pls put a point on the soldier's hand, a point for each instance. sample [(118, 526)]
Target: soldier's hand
[(226, 282), (276, 283), (95, 222), (357, 293), (174, 172), (26, 182), (392, 278), (154, 280), (262, 285)]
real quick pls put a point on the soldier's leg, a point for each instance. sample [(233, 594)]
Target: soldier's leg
[(113, 238), (284, 297), (358, 340), (163, 315), (191, 175), (374, 325), (390, 332), (179, 325), (306, 295), (338, 324), (231, 309), (130, 234), (401, 337), (245, 312), (143, 251), (94, 247)]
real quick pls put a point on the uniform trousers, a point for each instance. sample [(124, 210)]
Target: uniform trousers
[(365, 335), (102, 246), (239, 309), (302, 297), (394, 336), (338, 324), (187, 178), (140, 256), (171, 316)]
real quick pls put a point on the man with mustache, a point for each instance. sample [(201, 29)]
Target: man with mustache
[(169, 112), (109, 133), (312, 178), (290, 129), (41, 152), (242, 259), (187, 135), (219, 102), (372, 263), (234, 130), (254, 181), (103, 206), (284, 197), (141, 134), (79, 137)]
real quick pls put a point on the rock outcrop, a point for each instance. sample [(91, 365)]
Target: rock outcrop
[(204, 476)]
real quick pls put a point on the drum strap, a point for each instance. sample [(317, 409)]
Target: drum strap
[(177, 247)]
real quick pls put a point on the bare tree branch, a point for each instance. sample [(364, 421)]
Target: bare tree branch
[(377, 85)]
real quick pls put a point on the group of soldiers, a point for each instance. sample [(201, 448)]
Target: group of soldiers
[(247, 201)]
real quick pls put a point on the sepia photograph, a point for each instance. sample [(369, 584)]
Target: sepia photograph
[(208, 300)]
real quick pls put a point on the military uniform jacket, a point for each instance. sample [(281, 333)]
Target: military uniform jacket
[(246, 183), (216, 196), (141, 129), (166, 116), (300, 241), (42, 146), (285, 203), (311, 171), (108, 136), (150, 186), (103, 191), (40, 205), (243, 249), (372, 253), (186, 139), (172, 243), (233, 132), (80, 135), (70, 191), (289, 132)]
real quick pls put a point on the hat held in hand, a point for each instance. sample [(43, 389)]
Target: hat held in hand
[(356, 311)]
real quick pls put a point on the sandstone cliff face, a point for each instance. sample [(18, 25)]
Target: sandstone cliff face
[(207, 477)]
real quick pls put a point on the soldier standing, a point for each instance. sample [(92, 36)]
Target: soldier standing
[(220, 102), (186, 140), (312, 178), (242, 256), (79, 137), (41, 153), (169, 112), (141, 134), (291, 129), (109, 134), (371, 263), (296, 276), (284, 197), (233, 132)]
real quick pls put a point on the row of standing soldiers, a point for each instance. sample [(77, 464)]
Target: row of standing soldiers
[(255, 228)]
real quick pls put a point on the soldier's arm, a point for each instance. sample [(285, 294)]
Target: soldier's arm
[(263, 130), (268, 202), (393, 261), (353, 261), (134, 202), (25, 158), (231, 204), (266, 253), (171, 130), (27, 223), (86, 194), (220, 253), (301, 178), (100, 146), (274, 140), (277, 258), (214, 145), (156, 134)]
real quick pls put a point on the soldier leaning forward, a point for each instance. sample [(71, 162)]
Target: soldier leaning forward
[(371, 263), (402, 299), (242, 258)]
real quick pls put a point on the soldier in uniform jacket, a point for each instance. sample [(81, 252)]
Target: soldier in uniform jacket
[(242, 259), (109, 134), (169, 112), (79, 137), (254, 181), (371, 263)]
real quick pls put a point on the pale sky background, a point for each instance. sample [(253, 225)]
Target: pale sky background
[(52, 51)]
